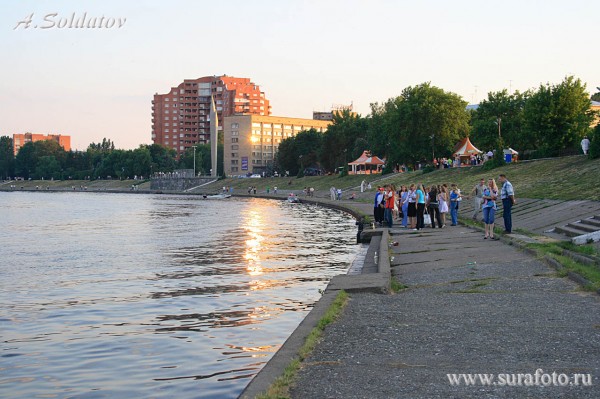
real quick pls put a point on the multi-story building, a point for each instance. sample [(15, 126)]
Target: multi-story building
[(335, 110), (181, 117), (251, 141), (19, 140)]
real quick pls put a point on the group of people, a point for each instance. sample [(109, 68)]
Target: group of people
[(411, 204)]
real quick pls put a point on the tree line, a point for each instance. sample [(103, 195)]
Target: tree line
[(422, 123), (48, 160), (425, 122)]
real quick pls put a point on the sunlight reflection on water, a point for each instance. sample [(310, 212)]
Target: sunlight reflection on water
[(109, 295)]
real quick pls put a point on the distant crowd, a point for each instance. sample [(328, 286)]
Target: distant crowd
[(417, 205)]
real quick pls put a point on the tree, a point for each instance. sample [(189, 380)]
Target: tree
[(163, 158), (557, 117), (299, 152), (47, 167), (500, 116), (424, 120), (340, 140), (595, 143), (203, 163), (7, 157), (37, 159)]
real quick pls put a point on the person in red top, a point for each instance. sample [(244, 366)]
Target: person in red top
[(389, 205)]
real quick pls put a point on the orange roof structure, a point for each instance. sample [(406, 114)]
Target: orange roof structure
[(367, 159), (366, 164), (465, 148)]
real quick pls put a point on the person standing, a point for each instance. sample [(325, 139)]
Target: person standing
[(477, 200), (362, 186), (404, 205), (443, 203), (433, 205), (454, 199), (377, 208), (490, 193), (507, 195), (420, 207), (585, 145), (389, 205), (332, 193), (412, 206)]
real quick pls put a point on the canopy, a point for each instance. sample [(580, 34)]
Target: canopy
[(510, 151), (465, 148), (366, 164)]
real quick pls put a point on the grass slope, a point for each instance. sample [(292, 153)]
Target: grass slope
[(566, 178)]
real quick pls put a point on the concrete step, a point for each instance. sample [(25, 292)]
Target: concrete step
[(569, 231), (586, 228), (592, 222)]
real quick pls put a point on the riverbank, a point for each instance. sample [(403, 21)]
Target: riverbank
[(459, 246), (470, 306)]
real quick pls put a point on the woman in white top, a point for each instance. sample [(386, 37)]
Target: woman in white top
[(443, 200)]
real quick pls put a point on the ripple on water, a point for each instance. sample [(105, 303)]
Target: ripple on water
[(155, 296)]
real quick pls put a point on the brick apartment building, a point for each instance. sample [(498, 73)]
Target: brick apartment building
[(181, 117), (19, 140)]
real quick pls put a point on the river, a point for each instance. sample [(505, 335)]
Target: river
[(123, 295)]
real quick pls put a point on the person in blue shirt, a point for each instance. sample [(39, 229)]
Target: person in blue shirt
[(420, 207), (507, 195), (490, 193), (455, 198)]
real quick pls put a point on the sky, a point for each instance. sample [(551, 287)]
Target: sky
[(306, 55)]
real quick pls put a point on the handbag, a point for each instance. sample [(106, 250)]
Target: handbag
[(426, 218)]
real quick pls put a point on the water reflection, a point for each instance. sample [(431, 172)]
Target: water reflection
[(163, 296), (254, 244)]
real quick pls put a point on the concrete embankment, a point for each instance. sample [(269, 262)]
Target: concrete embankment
[(472, 306)]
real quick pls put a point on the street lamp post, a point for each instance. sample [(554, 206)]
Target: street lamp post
[(433, 147), (499, 129), (194, 160)]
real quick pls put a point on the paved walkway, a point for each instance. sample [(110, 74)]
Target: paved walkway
[(471, 306)]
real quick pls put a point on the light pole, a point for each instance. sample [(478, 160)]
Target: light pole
[(194, 147), (433, 147), (499, 130)]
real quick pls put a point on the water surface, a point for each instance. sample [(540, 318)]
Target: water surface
[(117, 295)]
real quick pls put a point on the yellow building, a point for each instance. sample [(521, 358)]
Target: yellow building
[(596, 108), (251, 141)]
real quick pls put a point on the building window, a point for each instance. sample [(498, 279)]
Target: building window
[(234, 139), (235, 126), (235, 147), (234, 155), (235, 133)]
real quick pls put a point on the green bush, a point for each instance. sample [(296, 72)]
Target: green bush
[(594, 152)]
